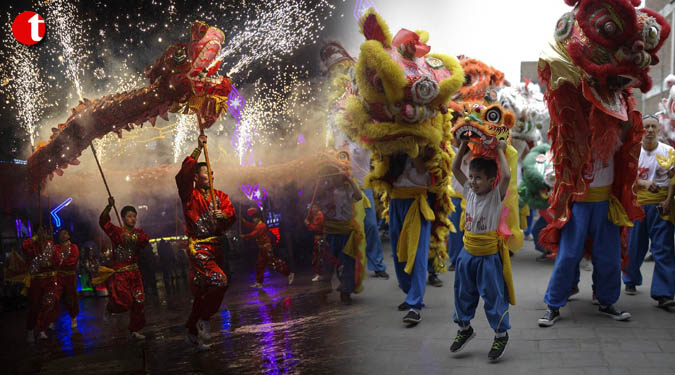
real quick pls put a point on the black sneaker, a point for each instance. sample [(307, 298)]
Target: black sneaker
[(412, 317), (451, 268), (404, 306), (435, 281), (630, 290), (665, 302), (461, 339), (549, 318), (345, 298), (615, 314), (498, 347), (382, 275)]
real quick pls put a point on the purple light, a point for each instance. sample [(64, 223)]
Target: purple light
[(255, 193), (300, 193), (361, 6), (301, 139), (235, 103), (30, 232), (18, 228)]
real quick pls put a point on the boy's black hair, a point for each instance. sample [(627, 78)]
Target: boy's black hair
[(487, 166), (63, 229), (199, 166), (126, 209)]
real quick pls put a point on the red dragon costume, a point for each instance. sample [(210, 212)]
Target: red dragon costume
[(182, 80)]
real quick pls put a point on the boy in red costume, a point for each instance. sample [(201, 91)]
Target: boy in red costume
[(315, 223), (125, 284), (206, 224), (43, 258), (266, 256), (67, 277)]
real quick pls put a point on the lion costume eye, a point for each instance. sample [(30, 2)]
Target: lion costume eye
[(651, 33), (493, 115)]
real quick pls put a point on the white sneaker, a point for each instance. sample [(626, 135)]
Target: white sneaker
[(257, 285), (291, 277), (42, 335), (31, 336), (202, 346), (51, 326), (586, 265), (204, 329), (73, 323), (316, 278), (190, 338), (137, 336)]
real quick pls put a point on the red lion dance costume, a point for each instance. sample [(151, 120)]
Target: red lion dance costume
[(602, 50)]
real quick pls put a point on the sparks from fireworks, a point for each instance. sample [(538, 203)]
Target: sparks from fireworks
[(274, 32), (69, 32), (185, 131), (22, 83)]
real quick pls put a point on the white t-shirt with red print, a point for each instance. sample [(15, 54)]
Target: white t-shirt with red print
[(482, 211), (649, 168)]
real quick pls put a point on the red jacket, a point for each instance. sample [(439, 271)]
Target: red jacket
[(126, 246), (41, 259), (317, 224), (259, 233), (70, 254), (196, 206)]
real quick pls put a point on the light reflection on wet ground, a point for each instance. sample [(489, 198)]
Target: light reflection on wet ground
[(275, 330)]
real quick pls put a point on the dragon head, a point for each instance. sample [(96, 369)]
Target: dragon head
[(484, 126), (402, 90), (187, 71), (613, 44)]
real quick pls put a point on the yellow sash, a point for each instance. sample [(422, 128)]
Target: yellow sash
[(104, 272), (483, 244), (646, 197), (339, 227), (355, 246), (192, 242), (406, 249), (524, 213), (617, 214), (67, 273)]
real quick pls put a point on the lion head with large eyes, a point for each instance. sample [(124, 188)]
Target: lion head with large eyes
[(484, 126), (613, 44), (403, 90)]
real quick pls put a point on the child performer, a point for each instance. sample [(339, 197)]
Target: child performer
[(125, 283), (67, 276), (43, 258), (266, 257), (315, 223), (479, 269)]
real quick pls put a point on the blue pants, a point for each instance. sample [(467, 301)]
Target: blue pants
[(455, 240), (587, 219), (481, 276), (660, 232), (536, 228), (530, 217), (415, 283), (346, 269), (373, 243)]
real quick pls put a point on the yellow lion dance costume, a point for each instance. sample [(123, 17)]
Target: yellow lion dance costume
[(397, 104)]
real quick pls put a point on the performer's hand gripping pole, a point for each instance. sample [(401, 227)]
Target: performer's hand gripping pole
[(208, 171), (93, 150)]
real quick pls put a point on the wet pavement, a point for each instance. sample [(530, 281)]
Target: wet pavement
[(304, 330), (274, 330)]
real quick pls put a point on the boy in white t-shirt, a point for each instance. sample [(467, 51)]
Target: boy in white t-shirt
[(479, 269), (655, 195)]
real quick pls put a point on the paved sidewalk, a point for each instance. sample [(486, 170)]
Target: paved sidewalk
[(582, 342)]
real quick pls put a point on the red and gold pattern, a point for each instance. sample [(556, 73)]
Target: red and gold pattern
[(181, 80), (602, 50)]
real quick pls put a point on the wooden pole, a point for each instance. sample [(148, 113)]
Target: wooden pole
[(208, 170), (316, 187), (93, 150)]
